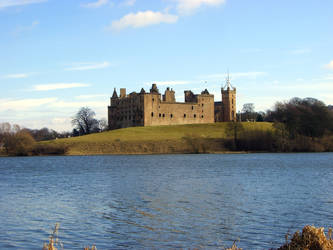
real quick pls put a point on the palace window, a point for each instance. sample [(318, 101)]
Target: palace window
[(202, 116), (184, 115), (163, 115), (195, 116), (171, 115), (152, 114), (159, 115)]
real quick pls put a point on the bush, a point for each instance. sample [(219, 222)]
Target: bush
[(49, 149), (19, 144)]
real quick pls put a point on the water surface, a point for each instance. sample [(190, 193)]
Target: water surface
[(163, 201)]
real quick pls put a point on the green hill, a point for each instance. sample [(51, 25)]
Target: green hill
[(196, 138)]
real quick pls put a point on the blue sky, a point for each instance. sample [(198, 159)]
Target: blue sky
[(60, 55)]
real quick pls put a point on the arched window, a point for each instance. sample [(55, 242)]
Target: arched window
[(184, 115), (195, 116), (152, 114)]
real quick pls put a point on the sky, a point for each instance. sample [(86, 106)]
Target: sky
[(59, 55)]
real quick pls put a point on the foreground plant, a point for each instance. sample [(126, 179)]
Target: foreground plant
[(311, 238), (54, 241)]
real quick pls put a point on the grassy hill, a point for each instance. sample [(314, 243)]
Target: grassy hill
[(196, 138)]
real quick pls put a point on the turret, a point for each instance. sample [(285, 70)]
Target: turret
[(169, 95), (114, 97), (229, 101)]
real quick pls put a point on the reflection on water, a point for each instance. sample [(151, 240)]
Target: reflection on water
[(163, 201)]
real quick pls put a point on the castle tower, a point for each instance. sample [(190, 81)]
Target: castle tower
[(114, 97), (229, 101)]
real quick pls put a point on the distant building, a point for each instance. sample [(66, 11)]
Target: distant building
[(153, 109)]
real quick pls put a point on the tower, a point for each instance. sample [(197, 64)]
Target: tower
[(228, 101)]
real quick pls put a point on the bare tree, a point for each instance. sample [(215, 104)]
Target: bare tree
[(84, 120)]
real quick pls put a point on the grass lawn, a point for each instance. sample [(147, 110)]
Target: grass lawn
[(118, 141)]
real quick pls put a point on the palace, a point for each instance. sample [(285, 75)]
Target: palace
[(153, 109)]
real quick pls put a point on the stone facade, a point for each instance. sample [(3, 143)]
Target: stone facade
[(153, 109)]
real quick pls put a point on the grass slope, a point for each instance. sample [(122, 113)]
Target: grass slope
[(157, 139)]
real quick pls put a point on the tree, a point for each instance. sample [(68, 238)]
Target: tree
[(103, 124), (19, 144), (248, 108), (84, 121), (307, 117), (248, 112)]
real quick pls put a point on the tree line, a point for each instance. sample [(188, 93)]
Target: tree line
[(300, 125), (18, 141)]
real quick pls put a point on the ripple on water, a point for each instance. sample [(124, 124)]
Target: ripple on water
[(163, 201)]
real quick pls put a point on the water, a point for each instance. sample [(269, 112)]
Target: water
[(163, 201)]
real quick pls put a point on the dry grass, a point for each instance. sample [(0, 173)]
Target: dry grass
[(312, 238), (54, 240)]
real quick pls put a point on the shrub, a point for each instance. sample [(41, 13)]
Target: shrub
[(49, 149), (19, 144)]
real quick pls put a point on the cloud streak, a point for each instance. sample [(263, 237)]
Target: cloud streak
[(88, 66), (56, 86), (142, 19), (96, 4), (186, 7), (11, 3), (167, 83), (16, 76), (329, 65), (236, 75), (24, 104)]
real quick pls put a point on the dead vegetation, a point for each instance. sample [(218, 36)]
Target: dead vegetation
[(311, 238)]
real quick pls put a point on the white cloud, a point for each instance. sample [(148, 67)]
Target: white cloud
[(129, 2), (55, 86), (236, 75), (16, 76), (142, 19), (24, 104), (300, 51), (21, 29), (96, 4), (11, 3), (329, 65), (71, 105), (189, 6), (91, 96), (167, 83), (88, 66)]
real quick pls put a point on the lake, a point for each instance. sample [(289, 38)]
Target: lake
[(164, 201)]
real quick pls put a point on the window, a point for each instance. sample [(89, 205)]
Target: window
[(192, 107), (159, 115), (163, 115), (232, 101), (152, 114), (202, 105), (171, 115), (202, 116), (184, 115), (195, 116)]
